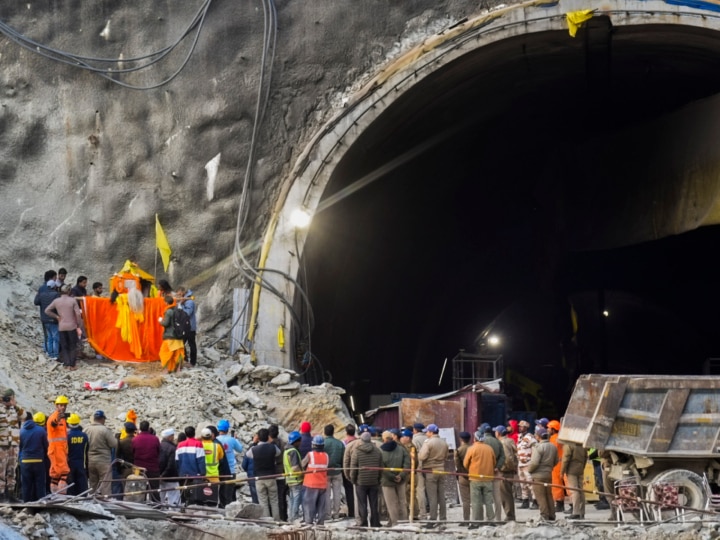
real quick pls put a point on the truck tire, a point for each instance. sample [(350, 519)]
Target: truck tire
[(692, 492)]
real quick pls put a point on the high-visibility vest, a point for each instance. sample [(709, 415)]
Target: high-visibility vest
[(212, 463), (318, 462), (293, 478)]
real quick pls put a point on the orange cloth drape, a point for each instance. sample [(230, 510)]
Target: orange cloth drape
[(100, 318)]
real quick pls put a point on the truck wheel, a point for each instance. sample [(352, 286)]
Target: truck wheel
[(692, 492)]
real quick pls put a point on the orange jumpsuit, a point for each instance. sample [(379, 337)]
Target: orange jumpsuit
[(57, 451), (557, 493)]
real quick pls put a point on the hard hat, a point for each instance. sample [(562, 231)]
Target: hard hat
[(206, 433), (223, 425), (318, 440), (554, 424), (39, 418), (293, 436), (74, 419), (61, 400)]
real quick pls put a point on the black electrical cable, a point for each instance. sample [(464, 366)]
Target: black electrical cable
[(83, 62)]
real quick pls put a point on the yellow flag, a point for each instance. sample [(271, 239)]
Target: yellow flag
[(162, 243), (576, 18)]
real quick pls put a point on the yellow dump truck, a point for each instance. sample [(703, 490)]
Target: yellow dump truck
[(655, 428)]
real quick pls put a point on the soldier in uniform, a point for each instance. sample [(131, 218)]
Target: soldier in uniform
[(10, 417)]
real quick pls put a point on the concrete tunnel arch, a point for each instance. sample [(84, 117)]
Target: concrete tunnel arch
[(314, 169)]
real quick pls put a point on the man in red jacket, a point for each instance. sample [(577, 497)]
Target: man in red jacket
[(146, 452)]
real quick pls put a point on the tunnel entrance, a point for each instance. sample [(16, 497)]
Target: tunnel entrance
[(464, 204)]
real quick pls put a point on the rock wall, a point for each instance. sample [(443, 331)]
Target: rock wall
[(85, 163)]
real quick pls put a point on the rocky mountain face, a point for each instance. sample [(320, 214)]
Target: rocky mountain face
[(88, 157)]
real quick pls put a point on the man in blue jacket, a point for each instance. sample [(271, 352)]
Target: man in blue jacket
[(77, 456), (33, 449)]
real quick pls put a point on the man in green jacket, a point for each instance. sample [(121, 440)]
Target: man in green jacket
[(335, 450)]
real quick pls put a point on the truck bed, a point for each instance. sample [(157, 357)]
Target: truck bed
[(645, 415)]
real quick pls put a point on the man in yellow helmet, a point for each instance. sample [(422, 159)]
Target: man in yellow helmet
[(77, 456), (58, 445)]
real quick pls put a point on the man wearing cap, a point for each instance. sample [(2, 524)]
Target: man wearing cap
[(544, 458), (292, 467), (480, 463), (526, 443), (418, 440), (406, 442), (77, 456), (230, 446), (433, 455), (305, 438), (126, 456), (393, 481), (573, 468), (101, 443), (508, 470), (10, 423), (169, 494), (462, 479), (365, 471)]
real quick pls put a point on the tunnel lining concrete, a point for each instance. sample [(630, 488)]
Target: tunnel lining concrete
[(305, 185)]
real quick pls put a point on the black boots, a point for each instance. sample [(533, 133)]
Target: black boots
[(559, 506), (525, 503)]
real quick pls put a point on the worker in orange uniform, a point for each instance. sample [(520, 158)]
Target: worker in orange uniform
[(557, 477), (58, 445)]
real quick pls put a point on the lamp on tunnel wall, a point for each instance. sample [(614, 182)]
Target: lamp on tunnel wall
[(300, 218)]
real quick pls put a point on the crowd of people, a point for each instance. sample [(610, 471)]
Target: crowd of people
[(305, 478), (63, 327)]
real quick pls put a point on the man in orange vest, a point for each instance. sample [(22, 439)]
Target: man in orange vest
[(553, 427), (58, 445), (315, 463)]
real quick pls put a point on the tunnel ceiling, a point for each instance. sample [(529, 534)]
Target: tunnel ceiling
[(409, 269)]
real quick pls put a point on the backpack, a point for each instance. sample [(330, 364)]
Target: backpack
[(180, 323), (511, 459)]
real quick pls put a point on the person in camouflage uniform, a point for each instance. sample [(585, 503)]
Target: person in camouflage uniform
[(10, 418)]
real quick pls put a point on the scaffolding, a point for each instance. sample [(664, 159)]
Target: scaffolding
[(476, 368)]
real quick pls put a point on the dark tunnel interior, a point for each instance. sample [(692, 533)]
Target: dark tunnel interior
[(482, 228)]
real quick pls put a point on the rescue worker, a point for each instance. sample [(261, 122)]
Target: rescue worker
[(33, 450), (213, 454), (77, 456), (393, 481), (526, 443), (508, 470), (433, 455), (58, 445), (292, 467), (553, 427), (11, 417), (544, 459), (101, 445), (315, 482), (573, 469)]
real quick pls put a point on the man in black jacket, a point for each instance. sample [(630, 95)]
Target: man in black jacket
[(168, 469), (263, 456)]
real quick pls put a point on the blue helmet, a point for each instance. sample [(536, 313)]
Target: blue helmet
[(318, 440), (293, 436), (223, 425), (363, 428)]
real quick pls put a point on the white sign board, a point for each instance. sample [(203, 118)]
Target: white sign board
[(449, 435)]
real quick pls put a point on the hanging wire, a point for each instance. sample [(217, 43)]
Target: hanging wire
[(86, 62)]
